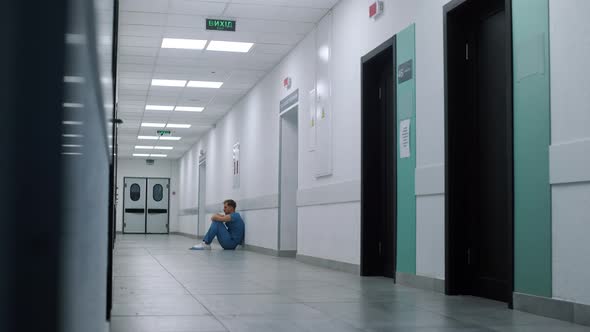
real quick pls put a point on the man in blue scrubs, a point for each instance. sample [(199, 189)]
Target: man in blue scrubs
[(228, 227)]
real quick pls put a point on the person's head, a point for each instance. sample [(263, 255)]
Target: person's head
[(229, 206)]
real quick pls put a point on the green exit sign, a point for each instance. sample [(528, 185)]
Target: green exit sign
[(220, 25), (164, 132)]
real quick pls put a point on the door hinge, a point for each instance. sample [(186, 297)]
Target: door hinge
[(466, 51), (167, 226), (167, 186), (379, 93), (124, 225), (379, 248)]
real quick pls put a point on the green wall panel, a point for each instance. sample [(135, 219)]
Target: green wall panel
[(406, 197), (532, 191)]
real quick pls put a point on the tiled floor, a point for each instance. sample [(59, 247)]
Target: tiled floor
[(159, 285)]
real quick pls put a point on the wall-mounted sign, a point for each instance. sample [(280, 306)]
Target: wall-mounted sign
[(236, 165), (404, 71), (289, 101), (404, 139), (164, 132), (375, 9), (220, 25), (287, 82)]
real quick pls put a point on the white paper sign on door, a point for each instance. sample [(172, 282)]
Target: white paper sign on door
[(404, 139)]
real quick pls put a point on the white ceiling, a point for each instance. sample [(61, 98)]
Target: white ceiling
[(274, 26)]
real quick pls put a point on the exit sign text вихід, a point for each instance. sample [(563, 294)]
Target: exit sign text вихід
[(164, 132), (220, 25)]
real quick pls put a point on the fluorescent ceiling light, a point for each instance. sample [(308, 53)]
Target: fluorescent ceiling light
[(141, 154), (204, 84), (163, 147), (189, 44), (73, 79), (189, 109), (73, 105), (225, 46), (178, 83), (158, 155), (170, 138), (72, 153), (73, 123), (153, 125), (178, 125), (155, 138), (144, 147), (158, 108), (72, 135), (71, 145)]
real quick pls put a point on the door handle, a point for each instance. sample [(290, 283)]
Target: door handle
[(154, 211), (135, 211)]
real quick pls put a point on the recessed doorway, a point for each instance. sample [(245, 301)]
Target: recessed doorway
[(378, 167), (478, 143)]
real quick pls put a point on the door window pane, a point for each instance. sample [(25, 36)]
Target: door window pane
[(158, 192), (135, 192)]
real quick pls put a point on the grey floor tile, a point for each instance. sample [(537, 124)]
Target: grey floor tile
[(166, 324), (160, 285), (157, 309), (271, 323)]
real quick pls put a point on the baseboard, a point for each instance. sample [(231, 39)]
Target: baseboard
[(421, 282), (553, 308), (288, 253), (330, 264), (192, 236), (261, 250)]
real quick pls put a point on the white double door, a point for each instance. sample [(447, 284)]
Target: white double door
[(146, 205)]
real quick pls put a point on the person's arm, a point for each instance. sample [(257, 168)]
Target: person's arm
[(221, 218)]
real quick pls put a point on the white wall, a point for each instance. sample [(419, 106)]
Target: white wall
[(254, 122), (137, 168), (188, 193), (355, 35), (570, 148)]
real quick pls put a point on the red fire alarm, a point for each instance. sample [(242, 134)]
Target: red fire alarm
[(375, 9), (287, 82)]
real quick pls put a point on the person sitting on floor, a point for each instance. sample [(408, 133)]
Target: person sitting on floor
[(228, 227)]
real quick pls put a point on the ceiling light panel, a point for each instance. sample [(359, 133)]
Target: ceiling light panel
[(141, 154), (204, 84), (188, 44), (189, 109), (225, 46), (163, 148), (175, 83), (178, 125), (144, 147), (170, 138), (158, 108), (153, 125), (158, 155), (154, 138)]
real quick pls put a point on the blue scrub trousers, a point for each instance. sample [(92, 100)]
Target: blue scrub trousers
[(223, 236)]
